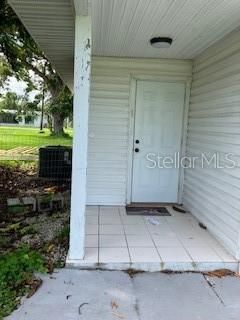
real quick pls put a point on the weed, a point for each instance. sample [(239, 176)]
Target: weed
[(16, 274), (63, 234), (19, 164)]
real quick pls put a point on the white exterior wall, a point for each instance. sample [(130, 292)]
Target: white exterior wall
[(213, 195), (109, 121)]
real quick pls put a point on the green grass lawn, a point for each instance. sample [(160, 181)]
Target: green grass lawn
[(12, 137)]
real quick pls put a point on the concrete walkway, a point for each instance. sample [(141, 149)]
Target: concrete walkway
[(113, 295)]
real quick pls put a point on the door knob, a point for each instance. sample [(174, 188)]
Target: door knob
[(136, 150)]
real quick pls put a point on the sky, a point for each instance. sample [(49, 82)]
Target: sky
[(18, 87)]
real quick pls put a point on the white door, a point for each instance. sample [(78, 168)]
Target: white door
[(157, 141)]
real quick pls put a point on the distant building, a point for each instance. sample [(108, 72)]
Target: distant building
[(10, 117)]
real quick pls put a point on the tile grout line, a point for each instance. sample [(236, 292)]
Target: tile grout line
[(144, 221), (125, 235), (208, 244), (98, 258), (222, 260), (183, 246), (186, 249)]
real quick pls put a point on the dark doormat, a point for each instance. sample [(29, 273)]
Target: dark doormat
[(136, 211)]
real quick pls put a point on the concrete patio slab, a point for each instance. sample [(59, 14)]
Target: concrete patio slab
[(97, 295)]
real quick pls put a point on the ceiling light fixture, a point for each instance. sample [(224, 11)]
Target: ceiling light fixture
[(161, 42)]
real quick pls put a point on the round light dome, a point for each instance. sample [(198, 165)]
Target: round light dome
[(161, 42)]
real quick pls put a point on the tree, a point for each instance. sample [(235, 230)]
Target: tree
[(10, 101), (62, 108), (5, 71), (20, 104), (21, 54)]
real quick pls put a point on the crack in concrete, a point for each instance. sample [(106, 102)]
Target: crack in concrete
[(211, 285), (136, 307), (136, 304)]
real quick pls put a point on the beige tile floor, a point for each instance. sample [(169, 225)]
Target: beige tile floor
[(117, 241)]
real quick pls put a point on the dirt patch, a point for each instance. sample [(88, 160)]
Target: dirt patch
[(46, 232), (220, 273), (20, 181)]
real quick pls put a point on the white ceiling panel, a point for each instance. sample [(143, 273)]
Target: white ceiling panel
[(51, 24), (123, 28)]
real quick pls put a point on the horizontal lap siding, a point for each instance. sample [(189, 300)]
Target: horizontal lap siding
[(213, 195), (108, 137), (109, 122)]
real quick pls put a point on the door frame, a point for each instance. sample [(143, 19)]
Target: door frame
[(132, 110)]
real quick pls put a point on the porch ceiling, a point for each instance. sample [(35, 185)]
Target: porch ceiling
[(123, 28), (51, 24)]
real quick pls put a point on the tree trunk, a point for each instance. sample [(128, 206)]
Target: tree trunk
[(58, 122)]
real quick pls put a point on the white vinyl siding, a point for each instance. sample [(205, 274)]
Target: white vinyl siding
[(213, 195), (109, 121)]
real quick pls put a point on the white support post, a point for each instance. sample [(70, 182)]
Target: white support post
[(80, 7), (82, 72)]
